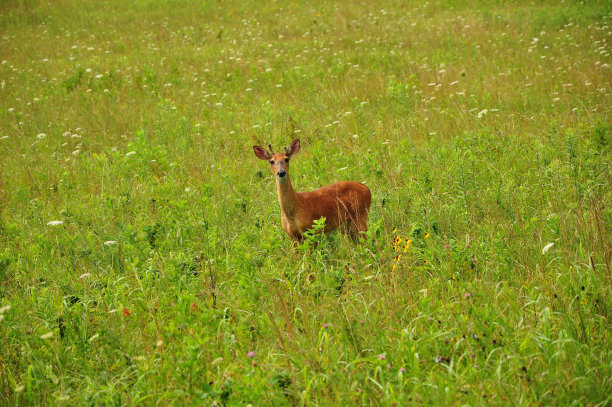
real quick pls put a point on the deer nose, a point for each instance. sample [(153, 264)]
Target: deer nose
[(281, 173)]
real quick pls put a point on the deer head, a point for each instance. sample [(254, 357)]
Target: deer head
[(279, 162)]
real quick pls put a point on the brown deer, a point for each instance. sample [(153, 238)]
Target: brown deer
[(344, 204)]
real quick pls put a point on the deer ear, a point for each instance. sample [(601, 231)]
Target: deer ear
[(294, 147), (261, 153)]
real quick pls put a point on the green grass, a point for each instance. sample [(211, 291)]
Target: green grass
[(482, 128)]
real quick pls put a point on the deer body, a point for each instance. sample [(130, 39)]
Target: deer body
[(344, 204)]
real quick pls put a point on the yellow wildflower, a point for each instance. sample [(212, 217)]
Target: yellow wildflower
[(407, 246), (396, 242)]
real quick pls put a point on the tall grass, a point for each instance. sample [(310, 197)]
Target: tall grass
[(142, 259)]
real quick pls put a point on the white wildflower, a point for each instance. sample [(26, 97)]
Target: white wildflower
[(547, 248), (482, 113), (41, 136), (130, 153), (110, 243), (84, 276), (5, 309), (55, 223), (48, 335)]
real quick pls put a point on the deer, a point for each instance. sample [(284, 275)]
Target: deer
[(344, 204)]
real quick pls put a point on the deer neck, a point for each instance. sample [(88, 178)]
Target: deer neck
[(287, 197)]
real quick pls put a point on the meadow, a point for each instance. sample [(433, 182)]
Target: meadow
[(142, 259)]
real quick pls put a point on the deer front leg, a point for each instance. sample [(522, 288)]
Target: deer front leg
[(296, 240)]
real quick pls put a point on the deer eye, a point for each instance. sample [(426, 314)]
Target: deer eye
[(286, 160), (271, 161)]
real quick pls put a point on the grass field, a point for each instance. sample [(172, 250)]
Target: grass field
[(142, 260)]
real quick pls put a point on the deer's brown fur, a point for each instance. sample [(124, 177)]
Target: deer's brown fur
[(344, 204)]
